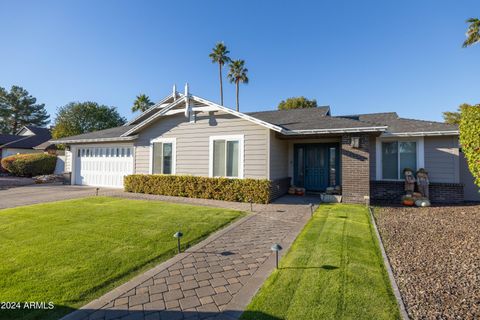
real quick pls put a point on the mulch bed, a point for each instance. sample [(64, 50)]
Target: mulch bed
[(435, 256)]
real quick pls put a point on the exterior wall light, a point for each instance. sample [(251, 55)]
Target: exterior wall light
[(355, 142)]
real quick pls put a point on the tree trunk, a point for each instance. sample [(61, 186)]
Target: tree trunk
[(238, 103), (221, 83), (16, 111)]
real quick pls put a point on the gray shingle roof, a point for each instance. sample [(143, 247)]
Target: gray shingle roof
[(100, 134), (308, 119), (6, 138), (402, 125), (40, 136)]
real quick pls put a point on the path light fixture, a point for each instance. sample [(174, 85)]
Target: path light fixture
[(178, 235), (251, 205), (96, 191), (311, 209), (276, 247)]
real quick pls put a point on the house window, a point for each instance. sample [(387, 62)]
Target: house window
[(163, 156), (226, 156), (396, 156)]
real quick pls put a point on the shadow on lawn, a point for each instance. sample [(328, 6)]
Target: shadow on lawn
[(325, 267), (68, 313)]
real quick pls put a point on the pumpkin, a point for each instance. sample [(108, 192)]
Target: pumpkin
[(422, 203), (408, 202)]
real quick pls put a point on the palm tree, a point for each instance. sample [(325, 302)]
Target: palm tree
[(473, 32), (237, 74), (220, 55), (142, 103)]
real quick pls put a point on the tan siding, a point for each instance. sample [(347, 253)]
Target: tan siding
[(142, 159), (278, 157), (442, 159), (192, 143)]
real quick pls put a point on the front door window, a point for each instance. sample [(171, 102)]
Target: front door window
[(316, 166)]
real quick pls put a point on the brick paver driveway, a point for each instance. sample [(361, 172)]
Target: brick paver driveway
[(215, 279)]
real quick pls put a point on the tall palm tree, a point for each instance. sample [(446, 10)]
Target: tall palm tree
[(220, 55), (473, 32), (142, 103), (237, 74)]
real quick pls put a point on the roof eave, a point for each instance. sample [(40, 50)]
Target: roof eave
[(336, 130), (114, 139), (422, 133), (154, 107), (207, 102)]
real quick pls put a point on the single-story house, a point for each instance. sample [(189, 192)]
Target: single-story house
[(365, 154), (29, 139)]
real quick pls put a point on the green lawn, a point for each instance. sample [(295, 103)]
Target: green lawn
[(71, 252), (334, 270)]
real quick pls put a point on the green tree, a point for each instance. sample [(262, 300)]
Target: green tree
[(82, 117), (219, 55), (142, 103), (452, 117), (18, 108), (473, 32), (237, 74), (297, 103), (470, 138)]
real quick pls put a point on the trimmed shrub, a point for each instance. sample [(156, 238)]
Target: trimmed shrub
[(239, 190), (29, 165)]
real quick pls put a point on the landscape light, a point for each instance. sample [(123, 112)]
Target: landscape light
[(276, 247), (178, 235)]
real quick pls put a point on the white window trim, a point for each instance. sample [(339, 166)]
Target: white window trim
[(240, 138), (173, 141), (378, 153)]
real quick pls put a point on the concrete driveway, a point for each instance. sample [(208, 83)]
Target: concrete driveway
[(41, 193), (7, 182)]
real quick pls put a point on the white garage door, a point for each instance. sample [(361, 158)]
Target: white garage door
[(103, 166)]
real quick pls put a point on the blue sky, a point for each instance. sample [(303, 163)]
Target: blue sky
[(356, 56)]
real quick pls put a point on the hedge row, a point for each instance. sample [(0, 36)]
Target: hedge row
[(470, 138), (30, 165), (239, 190)]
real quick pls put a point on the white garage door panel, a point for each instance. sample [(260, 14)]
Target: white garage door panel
[(103, 167)]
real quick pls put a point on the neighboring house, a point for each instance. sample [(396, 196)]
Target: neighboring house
[(29, 139), (186, 135)]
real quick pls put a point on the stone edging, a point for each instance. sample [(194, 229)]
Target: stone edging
[(396, 291), (98, 303)]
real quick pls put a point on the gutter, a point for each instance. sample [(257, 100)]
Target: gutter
[(422, 133), (336, 130), (115, 139)]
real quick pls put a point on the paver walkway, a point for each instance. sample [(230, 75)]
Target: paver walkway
[(214, 279)]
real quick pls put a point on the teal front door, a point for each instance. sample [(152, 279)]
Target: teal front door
[(315, 166)]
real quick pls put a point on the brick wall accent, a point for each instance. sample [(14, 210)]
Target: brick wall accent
[(355, 169), (279, 187), (388, 192)]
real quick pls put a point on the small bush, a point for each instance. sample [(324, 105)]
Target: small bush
[(239, 190), (29, 165)]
